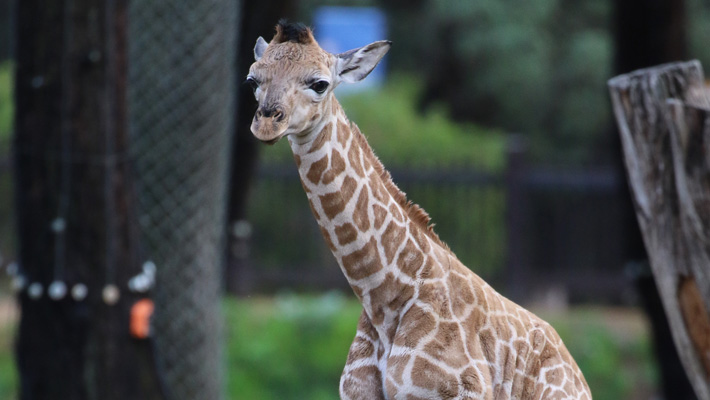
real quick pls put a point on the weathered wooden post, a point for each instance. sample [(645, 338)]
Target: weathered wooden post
[(663, 115)]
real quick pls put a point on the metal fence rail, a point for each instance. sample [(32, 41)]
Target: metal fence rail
[(568, 235)]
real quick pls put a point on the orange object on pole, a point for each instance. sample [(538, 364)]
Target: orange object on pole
[(140, 318)]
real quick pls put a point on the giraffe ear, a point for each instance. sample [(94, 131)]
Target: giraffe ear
[(354, 65), (260, 47)]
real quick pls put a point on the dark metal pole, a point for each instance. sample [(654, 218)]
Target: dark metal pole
[(75, 210)]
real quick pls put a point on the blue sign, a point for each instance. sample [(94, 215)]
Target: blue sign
[(339, 29)]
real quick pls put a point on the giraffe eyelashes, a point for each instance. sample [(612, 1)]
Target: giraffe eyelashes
[(253, 83), (319, 86)]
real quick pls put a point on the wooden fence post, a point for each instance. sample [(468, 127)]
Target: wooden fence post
[(663, 115)]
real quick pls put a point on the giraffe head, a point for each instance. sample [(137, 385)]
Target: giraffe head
[(293, 81)]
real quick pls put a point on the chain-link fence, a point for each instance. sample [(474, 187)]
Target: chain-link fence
[(181, 63)]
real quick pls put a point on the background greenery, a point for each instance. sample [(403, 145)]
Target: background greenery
[(404, 136), (537, 68), (7, 235), (294, 347)]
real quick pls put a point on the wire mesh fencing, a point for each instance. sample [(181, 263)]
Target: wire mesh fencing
[(181, 67)]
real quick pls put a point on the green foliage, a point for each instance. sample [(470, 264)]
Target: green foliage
[(699, 31), (294, 347), (7, 234), (537, 68), (8, 372), (402, 135), (615, 362), (291, 347), (6, 105)]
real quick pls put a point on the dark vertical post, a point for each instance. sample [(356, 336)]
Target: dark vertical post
[(515, 217), (75, 208), (258, 18)]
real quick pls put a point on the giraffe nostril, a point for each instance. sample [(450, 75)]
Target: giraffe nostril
[(276, 113)]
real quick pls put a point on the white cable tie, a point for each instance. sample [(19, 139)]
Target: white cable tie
[(18, 283), (13, 269), (57, 290), (35, 290), (59, 224), (79, 291), (111, 294)]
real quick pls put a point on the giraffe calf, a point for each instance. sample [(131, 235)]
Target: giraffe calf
[(430, 327)]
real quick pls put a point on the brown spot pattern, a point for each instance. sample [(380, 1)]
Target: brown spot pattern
[(363, 262), (354, 159), (365, 379), (346, 233), (430, 376), (410, 259), (435, 295), (380, 214), (334, 203), (392, 238), (379, 191), (322, 137), (316, 169), (461, 293), (337, 167), (360, 216), (327, 238), (395, 367), (447, 345), (471, 380), (343, 133), (396, 213), (415, 324)]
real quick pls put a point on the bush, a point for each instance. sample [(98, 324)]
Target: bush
[(295, 347), (288, 347)]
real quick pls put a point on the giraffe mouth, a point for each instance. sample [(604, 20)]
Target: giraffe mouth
[(268, 130), (272, 141)]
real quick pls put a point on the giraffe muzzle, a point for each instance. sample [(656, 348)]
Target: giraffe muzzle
[(269, 124)]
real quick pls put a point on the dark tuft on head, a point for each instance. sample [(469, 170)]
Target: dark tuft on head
[(292, 32)]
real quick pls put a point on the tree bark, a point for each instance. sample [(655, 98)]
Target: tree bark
[(663, 115), (75, 206), (647, 33)]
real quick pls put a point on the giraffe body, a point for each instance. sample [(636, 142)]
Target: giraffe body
[(430, 327)]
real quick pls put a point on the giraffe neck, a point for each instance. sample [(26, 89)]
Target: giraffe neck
[(382, 243)]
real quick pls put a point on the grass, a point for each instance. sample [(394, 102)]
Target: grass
[(294, 347)]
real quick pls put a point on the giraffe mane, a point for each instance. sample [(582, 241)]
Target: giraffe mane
[(292, 32), (416, 214)]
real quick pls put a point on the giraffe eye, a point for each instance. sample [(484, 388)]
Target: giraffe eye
[(253, 83), (319, 86)]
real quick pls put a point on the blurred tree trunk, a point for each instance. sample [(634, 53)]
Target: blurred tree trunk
[(648, 33), (258, 19), (663, 115), (75, 210)]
